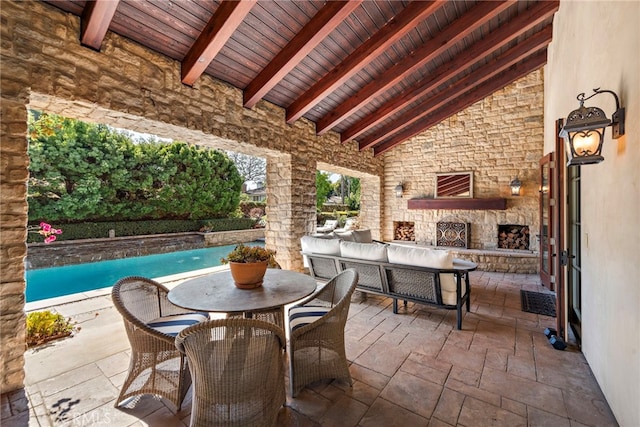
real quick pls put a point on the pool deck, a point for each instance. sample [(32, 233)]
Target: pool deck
[(410, 368)]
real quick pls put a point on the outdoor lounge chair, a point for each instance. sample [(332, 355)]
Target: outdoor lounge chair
[(328, 227), (238, 372), (316, 343), (152, 322)]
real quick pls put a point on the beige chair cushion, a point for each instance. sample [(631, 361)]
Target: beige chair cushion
[(320, 246), (425, 257)]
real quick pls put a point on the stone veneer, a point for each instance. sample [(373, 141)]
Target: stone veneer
[(498, 138), (127, 86)]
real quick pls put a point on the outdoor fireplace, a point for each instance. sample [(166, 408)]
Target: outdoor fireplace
[(404, 230), (513, 236)]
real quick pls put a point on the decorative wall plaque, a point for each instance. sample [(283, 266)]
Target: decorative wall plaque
[(457, 184)]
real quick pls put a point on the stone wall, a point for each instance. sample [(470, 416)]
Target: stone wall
[(127, 86), (497, 139)]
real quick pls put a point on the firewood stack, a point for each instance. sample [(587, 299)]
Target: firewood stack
[(405, 231), (513, 237)]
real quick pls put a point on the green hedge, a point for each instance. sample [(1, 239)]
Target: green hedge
[(95, 230), (341, 216)]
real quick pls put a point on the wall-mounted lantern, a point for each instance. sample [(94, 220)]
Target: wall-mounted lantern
[(399, 189), (515, 186), (584, 129)]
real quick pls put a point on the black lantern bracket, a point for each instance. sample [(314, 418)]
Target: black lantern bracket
[(617, 119)]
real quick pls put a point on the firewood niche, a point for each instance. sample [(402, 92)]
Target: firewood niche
[(487, 203)]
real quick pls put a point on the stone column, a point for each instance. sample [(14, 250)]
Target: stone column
[(13, 227), (291, 206)]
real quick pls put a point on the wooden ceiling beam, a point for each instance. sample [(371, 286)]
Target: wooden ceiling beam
[(319, 27), (95, 21), (227, 17), (485, 47), (475, 95), (455, 32), (415, 12), (494, 67)]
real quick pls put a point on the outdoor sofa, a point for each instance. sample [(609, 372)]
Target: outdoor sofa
[(420, 275)]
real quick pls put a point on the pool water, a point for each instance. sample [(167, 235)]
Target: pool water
[(52, 282)]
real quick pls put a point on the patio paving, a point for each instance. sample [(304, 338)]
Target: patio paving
[(413, 369)]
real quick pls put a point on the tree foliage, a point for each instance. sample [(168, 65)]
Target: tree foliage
[(87, 172), (251, 168), (323, 188)]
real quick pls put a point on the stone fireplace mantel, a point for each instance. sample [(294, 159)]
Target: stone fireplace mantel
[(487, 203)]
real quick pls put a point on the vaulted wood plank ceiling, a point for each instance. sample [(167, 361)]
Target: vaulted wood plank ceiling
[(376, 71)]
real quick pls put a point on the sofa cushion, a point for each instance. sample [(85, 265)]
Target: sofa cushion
[(347, 236), (362, 236), (320, 246), (425, 257), (364, 251)]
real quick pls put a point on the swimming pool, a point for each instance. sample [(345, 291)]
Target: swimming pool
[(52, 282)]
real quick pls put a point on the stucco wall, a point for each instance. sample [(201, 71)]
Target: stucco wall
[(124, 85), (596, 44)]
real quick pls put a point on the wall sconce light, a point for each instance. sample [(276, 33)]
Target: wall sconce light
[(399, 189), (584, 129), (515, 186)]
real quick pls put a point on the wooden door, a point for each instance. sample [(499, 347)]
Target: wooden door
[(547, 203)]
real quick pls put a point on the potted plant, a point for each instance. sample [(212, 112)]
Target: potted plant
[(248, 264)]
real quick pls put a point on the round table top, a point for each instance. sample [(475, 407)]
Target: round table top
[(216, 292)]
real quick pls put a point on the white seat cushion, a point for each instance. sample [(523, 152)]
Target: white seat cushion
[(320, 246), (172, 325), (300, 316)]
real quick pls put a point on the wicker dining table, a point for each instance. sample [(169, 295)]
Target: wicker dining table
[(217, 292)]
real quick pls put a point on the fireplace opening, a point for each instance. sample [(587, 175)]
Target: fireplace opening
[(513, 236), (404, 230)]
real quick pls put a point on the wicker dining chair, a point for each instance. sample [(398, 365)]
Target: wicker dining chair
[(316, 339), (238, 371), (152, 323)]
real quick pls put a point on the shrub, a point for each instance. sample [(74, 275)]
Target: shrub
[(43, 326)]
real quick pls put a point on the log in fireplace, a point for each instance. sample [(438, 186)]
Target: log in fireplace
[(513, 236), (404, 230)]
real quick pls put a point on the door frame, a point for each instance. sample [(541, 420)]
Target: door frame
[(560, 267)]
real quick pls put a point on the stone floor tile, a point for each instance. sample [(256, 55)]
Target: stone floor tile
[(384, 414), (513, 406), (526, 391), (540, 418), (588, 410), (310, 404), (412, 393), (383, 358), (449, 406), (522, 367), (72, 402), (287, 417), (465, 376), (368, 376), (470, 359), (163, 417), (114, 364), (478, 413), (427, 368), (497, 358), (362, 392), (479, 394), (346, 412)]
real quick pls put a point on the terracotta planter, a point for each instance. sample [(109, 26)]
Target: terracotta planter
[(248, 275)]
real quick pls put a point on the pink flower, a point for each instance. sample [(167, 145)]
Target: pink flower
[(45, 227), (49, 239)]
